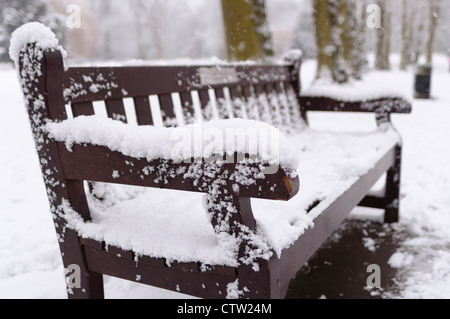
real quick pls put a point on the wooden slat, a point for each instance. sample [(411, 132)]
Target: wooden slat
[(263, 104), (221, 104), (283, 107), (206, 106), (237, 102), (273, 105), (116, 110), (250, 101), (187, 107), (122, 82), (99, 164), (306, 245), (85, 108), (167, 110), (382, 105), (209, 284), (143, 110), (297, 112)]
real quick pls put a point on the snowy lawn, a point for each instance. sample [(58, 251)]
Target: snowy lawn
[(30, 264)]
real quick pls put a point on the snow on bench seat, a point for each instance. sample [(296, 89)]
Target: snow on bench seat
[(174, 224), (354, 91)]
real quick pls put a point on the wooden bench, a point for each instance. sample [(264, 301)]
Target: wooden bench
[(52, 92)]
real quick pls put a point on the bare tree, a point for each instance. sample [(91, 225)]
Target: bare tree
[(325, 48), (383, 38), (433, 11)]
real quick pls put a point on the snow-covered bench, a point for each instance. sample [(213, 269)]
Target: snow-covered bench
[(124, 197)]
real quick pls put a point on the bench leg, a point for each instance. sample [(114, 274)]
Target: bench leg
[(392, 197), (81, 283), (391, 200)]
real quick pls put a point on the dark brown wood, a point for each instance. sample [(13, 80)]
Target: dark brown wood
[(116, 110), (274, 107), (45, 90), (250, 103), (237, 102), (187, 106), (143, 110), (99, 164), (167, 110), (206, 106), (262, 104), (208, 284), (283, 106), (296, 255), (221, 104), (380, 106), (297, 111), (392, 196), (84, 108), (121, 82), (262, 92)]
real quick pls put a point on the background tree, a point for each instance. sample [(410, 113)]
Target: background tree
[(14, 13), (406, 37), (246, 30), (433, 15), (339, 41), (383, 38)]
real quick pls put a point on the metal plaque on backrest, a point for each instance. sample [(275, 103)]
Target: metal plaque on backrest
[(217, 76)]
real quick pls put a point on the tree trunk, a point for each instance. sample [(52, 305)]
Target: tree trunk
[(383, 35), (262, 28), (406, 40), (325, 49), (246, 31), (360, 61), (434, 6)]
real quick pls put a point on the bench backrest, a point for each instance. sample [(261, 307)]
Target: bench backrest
[(176, 95)]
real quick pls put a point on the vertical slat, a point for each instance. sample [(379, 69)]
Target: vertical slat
[(207, 110), (221, 104), (143, 110), (295, 111), (251, 106), (284, 107), (237, 102), (85, 108), (116, 110), (187, 107), (167, 110), (263, 104), (273, 106)]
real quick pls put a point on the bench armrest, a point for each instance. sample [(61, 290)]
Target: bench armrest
[(382, 107), (245, 179), (386, 105)]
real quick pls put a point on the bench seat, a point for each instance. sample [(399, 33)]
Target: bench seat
[(173, 224)]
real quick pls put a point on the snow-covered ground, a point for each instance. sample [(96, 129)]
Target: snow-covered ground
[(30, 264)]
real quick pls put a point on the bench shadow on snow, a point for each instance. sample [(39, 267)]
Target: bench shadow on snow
[(339, 269)]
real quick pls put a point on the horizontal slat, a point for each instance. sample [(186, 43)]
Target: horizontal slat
[(99, 164), (296, 255), (208, 284), (382, 105), (83, 84)]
